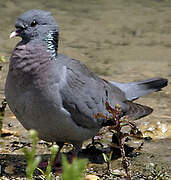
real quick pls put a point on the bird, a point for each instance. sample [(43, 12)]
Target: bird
[(58, 96)]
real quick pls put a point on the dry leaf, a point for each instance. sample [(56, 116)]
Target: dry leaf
[(6, 132), (91, 177), (10, 169), (4, 151), (12, 116)]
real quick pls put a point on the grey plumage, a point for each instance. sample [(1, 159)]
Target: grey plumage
[(59, 96), (134, 90)]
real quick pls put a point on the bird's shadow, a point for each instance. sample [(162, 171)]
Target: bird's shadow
[(95, 154), (15, 164)]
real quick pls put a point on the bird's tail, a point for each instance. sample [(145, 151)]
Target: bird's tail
[(137, 111), (134, 90)]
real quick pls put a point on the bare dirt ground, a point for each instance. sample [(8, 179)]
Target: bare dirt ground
[(118, 39)]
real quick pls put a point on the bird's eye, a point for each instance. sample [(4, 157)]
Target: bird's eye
[(33, 23)]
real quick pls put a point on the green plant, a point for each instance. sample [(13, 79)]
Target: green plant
[(116, 124), (70, 171), (32, 161), (73, 171), (48, 175), (108, 159)]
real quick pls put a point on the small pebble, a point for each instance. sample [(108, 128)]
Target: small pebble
[(10, 124)]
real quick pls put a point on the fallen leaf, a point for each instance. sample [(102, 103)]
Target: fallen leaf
[(12, 116), (91, 177), (6, 132), (10, 169), (4, 151)]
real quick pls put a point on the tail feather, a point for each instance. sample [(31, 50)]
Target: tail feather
[(137, 111), (134, 90)]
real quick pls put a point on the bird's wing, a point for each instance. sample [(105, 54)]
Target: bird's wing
[(84, 94)]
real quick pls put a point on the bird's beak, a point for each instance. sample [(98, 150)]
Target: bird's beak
[(13, 34)]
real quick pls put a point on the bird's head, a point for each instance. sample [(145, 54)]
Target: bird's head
[(35, 25)]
